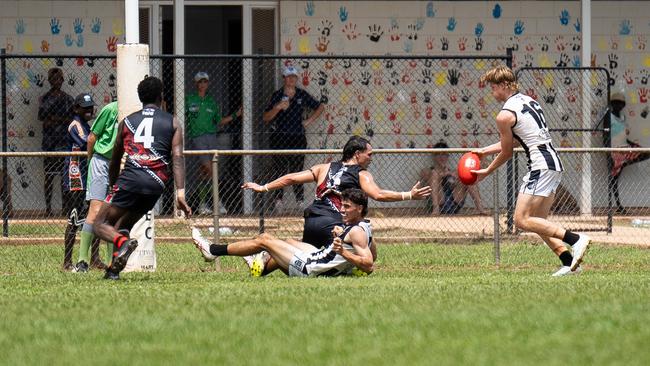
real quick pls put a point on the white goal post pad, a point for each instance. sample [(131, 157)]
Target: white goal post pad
[(143, 258)]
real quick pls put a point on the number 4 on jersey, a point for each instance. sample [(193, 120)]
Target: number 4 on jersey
[(143, 133)]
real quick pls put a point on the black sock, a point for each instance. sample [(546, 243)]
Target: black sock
[(570, 238), (566, 258), (216, 249)]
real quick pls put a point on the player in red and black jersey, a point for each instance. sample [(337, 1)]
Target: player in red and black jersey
[(151, 140)]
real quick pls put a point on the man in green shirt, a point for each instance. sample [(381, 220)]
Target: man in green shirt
[(100, 149), (204, 132)]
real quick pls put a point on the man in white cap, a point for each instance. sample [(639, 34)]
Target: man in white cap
[(285, 111), (204, 132), (619, 138)]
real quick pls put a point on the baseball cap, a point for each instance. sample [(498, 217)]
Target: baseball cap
[(201, 75), (84, 100), (289, 70), (617, 96)]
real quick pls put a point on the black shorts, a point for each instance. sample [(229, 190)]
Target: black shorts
[(137, 203), (318, 229)]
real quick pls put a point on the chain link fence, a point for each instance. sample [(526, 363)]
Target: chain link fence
[(396, 102)]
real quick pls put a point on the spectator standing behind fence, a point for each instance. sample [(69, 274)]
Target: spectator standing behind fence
[(447, 193), (285, 111), (99, 149), (74, 176), (619, 138), (55, 111), (205, 132)]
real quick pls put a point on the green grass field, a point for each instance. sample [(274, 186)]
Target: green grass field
[(425, 305)]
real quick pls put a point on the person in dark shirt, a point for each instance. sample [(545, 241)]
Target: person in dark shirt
[(285, 111), (74, 179), (55, 111), (152, 141)]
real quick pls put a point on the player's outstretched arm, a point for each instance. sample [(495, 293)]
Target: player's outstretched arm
[(178, 168), (505, 121), (306, 176), (116, 159), (363, 259), (373, 191)]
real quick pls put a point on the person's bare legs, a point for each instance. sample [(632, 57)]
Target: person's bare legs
[(280, 250), (526, 219), (542, 211)]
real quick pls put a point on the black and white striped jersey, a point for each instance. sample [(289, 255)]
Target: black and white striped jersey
[(326, 262), (531, 131)]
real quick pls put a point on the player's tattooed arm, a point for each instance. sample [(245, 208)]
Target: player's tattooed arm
[(116, 159), (305, 176), (178, 161), (373, 191), (178, 168)]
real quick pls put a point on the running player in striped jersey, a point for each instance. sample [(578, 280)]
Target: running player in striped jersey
[(152, 141), (351, 248), (521, 119)]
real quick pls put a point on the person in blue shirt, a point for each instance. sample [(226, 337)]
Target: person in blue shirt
[(74, 175), (285, 113)]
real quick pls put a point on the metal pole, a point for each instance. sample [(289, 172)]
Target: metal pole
[(131, 22), (215, 205), (497, 227), (5, 176), (511, 174)]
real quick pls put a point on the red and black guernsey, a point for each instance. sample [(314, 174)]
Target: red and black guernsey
[(147, 137), (328, 193)]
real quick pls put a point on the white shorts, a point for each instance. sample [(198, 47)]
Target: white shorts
[(541, 182), (298, 265)]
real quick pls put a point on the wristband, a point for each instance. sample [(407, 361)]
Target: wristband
[(403, 196), (266, 187), (410, 196), (180, 193)]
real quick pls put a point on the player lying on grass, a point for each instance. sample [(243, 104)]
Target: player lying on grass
[(333, 178), (521, 118), (350, 250)]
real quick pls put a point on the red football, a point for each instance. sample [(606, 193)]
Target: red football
[(469, 161)]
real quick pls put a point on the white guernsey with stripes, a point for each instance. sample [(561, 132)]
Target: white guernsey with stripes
[(325, 261), (532, 133)]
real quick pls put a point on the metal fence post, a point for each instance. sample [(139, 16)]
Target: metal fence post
[(215, 205), (497, 227), (5, 175)]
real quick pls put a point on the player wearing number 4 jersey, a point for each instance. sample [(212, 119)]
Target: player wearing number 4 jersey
[(522, 120), (152, 141)]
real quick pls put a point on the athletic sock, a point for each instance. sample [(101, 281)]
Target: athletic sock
[(118, 240), (109, 253), (570, 238), (566, 258), (217, 249), (85, 242)]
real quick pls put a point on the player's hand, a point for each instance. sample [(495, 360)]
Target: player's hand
[(337, 245), (418, 193), (182, 204), (336, 231), (253, 186), (480, 174)]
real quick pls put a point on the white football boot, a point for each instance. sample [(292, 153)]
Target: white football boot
[(579, 250), (566, 271), (202, 244)]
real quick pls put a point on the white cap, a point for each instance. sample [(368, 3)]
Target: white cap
[(289, 70), (201, 75)]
